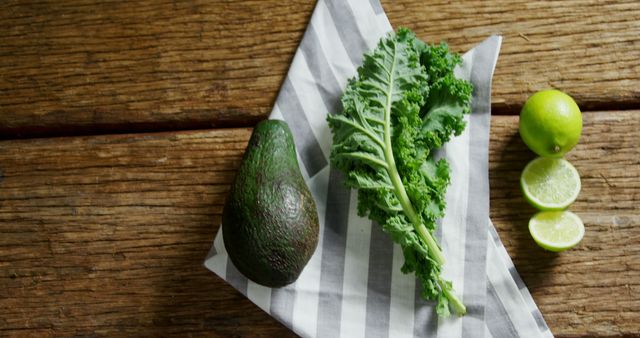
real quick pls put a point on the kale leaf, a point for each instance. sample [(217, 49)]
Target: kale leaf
[(404, 103)]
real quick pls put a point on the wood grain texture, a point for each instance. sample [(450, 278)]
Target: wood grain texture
[(82, 67), (591, 290), (584, 47), (106, 235), (96, 66)]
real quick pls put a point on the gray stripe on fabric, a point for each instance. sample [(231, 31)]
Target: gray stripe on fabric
[(325, 80), (494, 234), (542, 325), (350, 35), (306, 142), (498, 322), (377, 7), (282, 300), (502, 252), (475, 266), (425, 319), (379, 283), (235, 278), (333, 251), (516, 277)]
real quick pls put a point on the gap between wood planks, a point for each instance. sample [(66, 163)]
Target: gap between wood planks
[(177, 126), (146, 66)]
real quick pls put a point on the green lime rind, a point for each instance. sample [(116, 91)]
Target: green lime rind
[(550, 123), (550, 184), (556, 230)]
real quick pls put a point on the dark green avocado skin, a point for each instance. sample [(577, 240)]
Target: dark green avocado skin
[(270, 221)]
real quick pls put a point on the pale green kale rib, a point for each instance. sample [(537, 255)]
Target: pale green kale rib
[(404, 103)]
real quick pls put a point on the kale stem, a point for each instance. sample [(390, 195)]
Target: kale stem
[(401, 193), (454, 301), (434, 248)]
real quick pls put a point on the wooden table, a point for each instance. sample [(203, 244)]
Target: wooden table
[(122, 124)]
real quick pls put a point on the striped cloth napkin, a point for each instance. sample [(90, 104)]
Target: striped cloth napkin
[(352, 286)]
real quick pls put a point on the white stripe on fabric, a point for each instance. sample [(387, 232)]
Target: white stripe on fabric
[(509, 294), (527, 298), (324, 78), (260, 295), (219, 243), (283, 303), (276, 114), (305, 141), (507, 263), (308, 284), (306, 299), (218, 263), (236, 278), (339, 60), (350, 34), (379, 283), (368, 22), (212, 251), (402, 297), (474, 293), (463, 71), (524, 291), (356, 267), (454, 224), (311, 101)]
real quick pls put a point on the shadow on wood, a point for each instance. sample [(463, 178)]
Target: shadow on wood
[(515, 211)]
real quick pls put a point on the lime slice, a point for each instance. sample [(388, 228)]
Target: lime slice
[(550, 183), (556, 230)]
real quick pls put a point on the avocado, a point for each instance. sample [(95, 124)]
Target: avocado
[(270, 221)]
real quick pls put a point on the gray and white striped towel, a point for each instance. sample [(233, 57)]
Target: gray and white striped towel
[(352, 286)]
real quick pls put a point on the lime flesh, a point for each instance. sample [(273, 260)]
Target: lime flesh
[(556, 230), (550, 123), (550, 183)]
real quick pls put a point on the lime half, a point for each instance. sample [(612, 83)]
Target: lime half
[(556, 230), (550, 183)]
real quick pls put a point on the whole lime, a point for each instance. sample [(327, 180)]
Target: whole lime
[(550, 123)]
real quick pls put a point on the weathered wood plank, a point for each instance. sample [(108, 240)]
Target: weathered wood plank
[(593, 289), (83, 67), (106, 234), (584, 47)]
